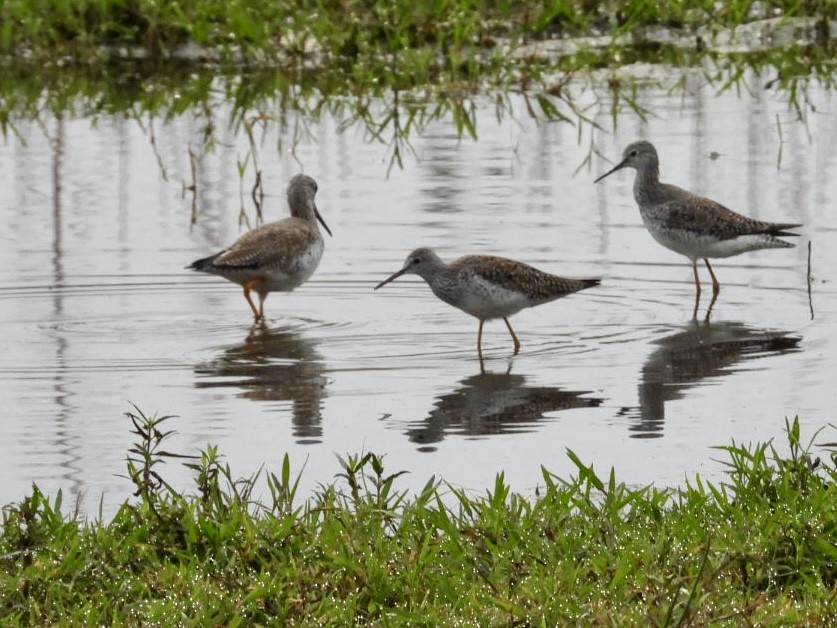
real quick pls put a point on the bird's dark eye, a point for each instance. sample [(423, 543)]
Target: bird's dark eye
[(633, 153), (416, 260)]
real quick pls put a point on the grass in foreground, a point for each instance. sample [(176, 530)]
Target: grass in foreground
[(758, 548)]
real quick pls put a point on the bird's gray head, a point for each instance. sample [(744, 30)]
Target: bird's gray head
[(422, 262), (641, 156), (301, 192)]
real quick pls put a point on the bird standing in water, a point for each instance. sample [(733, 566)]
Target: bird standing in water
[(692, 225), (276, 257), (488, 287)]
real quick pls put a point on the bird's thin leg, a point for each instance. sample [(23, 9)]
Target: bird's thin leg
[(513, 335), (697, 305), (716, 287), (479, 340), (711, 304), (250, 285), (697, 279)]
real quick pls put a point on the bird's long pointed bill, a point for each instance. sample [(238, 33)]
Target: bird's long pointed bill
[(618, 166), (394, 275), (322, 222)]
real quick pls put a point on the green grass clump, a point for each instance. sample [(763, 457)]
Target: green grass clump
[(412, 41), (411, 61), (758, 548), (390, 67)]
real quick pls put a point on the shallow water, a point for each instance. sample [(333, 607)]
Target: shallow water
[(98, 312)]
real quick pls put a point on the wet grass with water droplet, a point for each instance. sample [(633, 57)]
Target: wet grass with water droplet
[(586, 549)]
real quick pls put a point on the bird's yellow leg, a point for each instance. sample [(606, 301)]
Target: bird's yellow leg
[(697, 279), (716, 287), (479, 340), (711, 305), (513, 335), (251, 285)]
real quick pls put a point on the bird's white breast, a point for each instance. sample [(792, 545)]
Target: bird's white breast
[(485, 300), (699, 246)]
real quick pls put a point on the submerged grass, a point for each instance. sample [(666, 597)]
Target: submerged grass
[(758, 548)]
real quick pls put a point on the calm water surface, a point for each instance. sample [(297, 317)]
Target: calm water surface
[(98, 312)]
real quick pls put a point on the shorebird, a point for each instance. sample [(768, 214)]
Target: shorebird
[(276, 257), (488, 287), (692, 225)]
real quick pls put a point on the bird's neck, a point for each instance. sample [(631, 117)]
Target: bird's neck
[(647, 186), (305, 213), (441, 281)]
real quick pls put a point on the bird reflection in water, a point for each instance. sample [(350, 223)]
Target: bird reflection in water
[(493, 403), (684, 358), (274, 365)]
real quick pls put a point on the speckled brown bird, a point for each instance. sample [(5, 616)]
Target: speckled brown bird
[(276, 257), (692, 225), (488, 287)]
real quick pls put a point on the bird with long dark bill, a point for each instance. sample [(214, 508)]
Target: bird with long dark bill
[(488, 287), (276, 257), (692, 225)]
